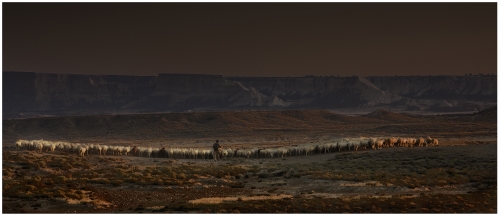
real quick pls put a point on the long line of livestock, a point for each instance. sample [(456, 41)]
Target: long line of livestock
[(343, 144)]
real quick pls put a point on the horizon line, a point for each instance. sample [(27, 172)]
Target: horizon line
[(198, 74)]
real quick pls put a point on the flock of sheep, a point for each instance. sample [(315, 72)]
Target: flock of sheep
[(197, 153)]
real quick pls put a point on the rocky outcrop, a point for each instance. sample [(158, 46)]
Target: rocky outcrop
[(41, 93), (33, 94), (423, 93)]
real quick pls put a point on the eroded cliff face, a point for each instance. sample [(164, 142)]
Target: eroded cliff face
[(431, 87), (425, 93), (33, 94), (52, 93), (322, 92)]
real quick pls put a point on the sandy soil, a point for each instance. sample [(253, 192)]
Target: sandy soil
[(459, 175)]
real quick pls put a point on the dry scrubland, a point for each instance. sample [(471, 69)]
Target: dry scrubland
[(460, 175)]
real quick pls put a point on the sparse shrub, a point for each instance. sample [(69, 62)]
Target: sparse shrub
[(263, 174), (289, 173), (139, 209), (60, 179), (181, 176), (117, 183), (278, 173), (73, 195), (237, 185)]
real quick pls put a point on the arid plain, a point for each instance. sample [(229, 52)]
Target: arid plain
[(459, 175)]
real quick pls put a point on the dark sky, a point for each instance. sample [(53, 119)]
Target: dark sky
[(251, 39)]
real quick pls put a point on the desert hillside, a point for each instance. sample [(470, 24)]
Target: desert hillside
[(246, 126)]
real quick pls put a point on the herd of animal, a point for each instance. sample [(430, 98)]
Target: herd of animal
[(343, 144)]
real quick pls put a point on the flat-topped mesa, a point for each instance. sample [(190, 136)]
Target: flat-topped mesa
[(439, 87), (28, 94), (321, 92)]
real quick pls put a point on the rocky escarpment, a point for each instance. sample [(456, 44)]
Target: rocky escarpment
[(189, 92), (321, 92), (423, 93), (28, 94), (33, 94)]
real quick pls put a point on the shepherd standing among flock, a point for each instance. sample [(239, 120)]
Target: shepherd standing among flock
[(218, 153), (217, 150)]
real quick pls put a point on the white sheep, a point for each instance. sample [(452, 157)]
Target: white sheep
[(39, 147), (32, 145), (170, 153), (224, 153), (115, 150), (294, 150), (343, 144), (75, 147), (378, 144), (104, 149), (403, 142), (251, 152), (310, 149), (400, 142), (176, 152), (119, 150), (240, 153), (435, 142), (421, 141), (324, 148), (98, 148), (46, 145), (60, 146), (392, 141), (335, 145), (354, 143), (282, 151), (52, 147), (64, 146), (19, 144), (82, 151), (346, 141), (432, 141), (91, 148), (205, 153), (262, 153), (196, 153), (87, 147), (149, 151), (193, 153), (230, 152), (142, 151), (68, 147), (127, 150), (25, 143), (411, 142), (364, 142), (272, 152), (301, 150)]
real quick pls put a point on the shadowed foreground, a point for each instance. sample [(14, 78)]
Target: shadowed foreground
[(459, 175)]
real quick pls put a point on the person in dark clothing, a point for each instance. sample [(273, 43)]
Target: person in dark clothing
[(217, 150)]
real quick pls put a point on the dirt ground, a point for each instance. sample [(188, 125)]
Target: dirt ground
[(459, 175)]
